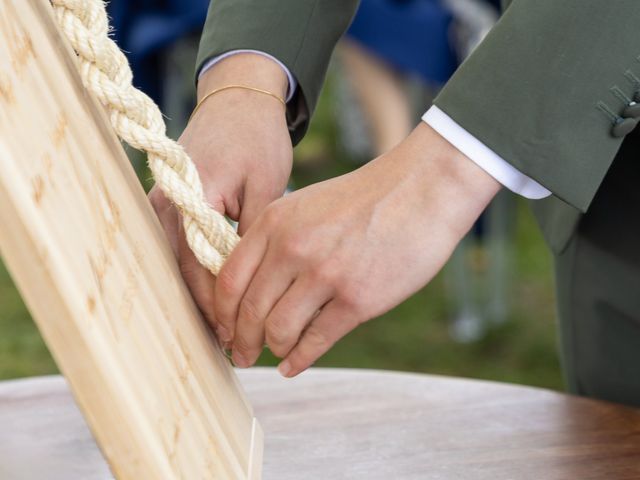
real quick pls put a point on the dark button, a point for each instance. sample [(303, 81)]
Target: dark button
[(632, 110), (624, 126)]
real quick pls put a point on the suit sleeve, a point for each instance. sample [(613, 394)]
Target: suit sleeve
[(300, 33), (546, 86)]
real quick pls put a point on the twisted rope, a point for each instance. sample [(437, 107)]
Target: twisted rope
[(138, 121)]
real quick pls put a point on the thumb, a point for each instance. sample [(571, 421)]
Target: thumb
[(255, 201)]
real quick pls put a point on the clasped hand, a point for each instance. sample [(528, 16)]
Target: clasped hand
[(319, 262), (314, 264)]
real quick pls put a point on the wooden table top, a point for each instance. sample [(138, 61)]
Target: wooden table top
[(360, 424)]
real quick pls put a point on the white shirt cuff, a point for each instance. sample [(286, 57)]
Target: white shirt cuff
[(293, 84), (483, 156)]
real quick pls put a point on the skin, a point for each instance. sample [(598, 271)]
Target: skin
[(244, 161), (317, 263)]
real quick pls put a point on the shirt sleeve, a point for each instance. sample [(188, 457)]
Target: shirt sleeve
[(483, 156), (293, 84)]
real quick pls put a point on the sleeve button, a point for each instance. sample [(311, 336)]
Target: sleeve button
[(632, 110), (624, 126)]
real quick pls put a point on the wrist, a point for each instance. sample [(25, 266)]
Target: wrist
[(245, 69), (462, 176), (447, 184)]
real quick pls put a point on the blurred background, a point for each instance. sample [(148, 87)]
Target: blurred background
[(490, 312)]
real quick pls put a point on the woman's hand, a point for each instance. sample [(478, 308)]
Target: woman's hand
[(318, 262), (240, 144)]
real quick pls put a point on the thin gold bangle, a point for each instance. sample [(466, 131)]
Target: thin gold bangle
[(228, 87)]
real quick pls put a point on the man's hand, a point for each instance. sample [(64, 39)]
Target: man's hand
[(318, 262), (240, 144)]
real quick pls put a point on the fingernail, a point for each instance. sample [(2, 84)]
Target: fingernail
[(240, 361), (224, 334), (284, 368)]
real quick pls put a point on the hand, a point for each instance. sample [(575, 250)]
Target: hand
[(318, 262), (240, 144)]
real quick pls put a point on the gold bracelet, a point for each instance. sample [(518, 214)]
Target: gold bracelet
[(228, 87)]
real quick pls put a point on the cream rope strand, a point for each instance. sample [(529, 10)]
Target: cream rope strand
[(137, 120)]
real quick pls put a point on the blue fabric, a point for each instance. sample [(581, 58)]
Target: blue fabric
[(143, 28), (410, 35)]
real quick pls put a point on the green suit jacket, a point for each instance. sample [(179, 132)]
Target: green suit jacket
[(543, 90)]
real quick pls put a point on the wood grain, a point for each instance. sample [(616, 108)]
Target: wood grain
[(91, 262), (359, 424)]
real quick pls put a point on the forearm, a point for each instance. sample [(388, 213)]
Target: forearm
[(451, 187)]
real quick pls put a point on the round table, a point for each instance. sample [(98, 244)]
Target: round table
[(360, 424)]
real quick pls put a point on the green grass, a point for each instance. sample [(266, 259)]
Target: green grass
[(22, 351), (412, 337)]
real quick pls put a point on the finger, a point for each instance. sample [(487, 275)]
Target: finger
[(200, 281), (234, 278), (270, 282), (332, 323), (255, 201), (293, 312)]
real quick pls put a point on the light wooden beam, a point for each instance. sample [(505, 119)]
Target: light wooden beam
[(91, 261)]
